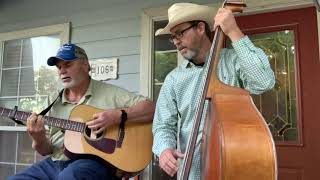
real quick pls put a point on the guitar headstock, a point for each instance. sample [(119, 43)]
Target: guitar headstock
[(234, 5)]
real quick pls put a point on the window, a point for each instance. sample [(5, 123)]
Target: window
[(279, 106), (26, 82)]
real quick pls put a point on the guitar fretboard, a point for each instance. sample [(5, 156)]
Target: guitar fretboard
[(50, 121)]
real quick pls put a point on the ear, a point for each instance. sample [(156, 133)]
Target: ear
[(201, 27), (87, 64)]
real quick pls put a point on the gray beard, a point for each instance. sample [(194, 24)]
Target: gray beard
[(190, 55)]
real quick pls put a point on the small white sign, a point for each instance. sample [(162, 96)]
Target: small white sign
[(104, 69)]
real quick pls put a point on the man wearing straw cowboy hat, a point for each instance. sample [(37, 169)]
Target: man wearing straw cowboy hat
[(244, 66)]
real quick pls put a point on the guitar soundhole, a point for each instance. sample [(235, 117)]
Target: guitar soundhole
[(92, 135), (99, 142)]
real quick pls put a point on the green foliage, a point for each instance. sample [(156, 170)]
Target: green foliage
[(46, 87), (275, 42), (46, 81), (163, 64)]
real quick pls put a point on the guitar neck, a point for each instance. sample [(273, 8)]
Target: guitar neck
[(50, 121)]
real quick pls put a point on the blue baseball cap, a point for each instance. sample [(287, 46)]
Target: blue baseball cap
[(68, 52)]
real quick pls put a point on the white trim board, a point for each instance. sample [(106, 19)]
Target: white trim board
[(62, 29)]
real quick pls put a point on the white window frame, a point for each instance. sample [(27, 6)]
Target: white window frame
[(62, 29), (146, 65)]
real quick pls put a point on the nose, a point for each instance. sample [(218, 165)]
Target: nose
[(62, 70)]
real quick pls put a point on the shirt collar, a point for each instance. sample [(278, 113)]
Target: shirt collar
[(189, 64), (185, 64)]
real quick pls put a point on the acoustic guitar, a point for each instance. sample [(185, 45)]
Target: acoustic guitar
[(126, 151)]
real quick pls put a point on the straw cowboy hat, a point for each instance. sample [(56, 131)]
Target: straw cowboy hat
[(183, 12)]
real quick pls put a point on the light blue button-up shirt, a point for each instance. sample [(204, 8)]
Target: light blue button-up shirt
[(244, 66)]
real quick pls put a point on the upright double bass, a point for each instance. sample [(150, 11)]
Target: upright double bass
[(236, 142)]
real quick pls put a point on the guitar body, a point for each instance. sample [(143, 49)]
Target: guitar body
[(127, 158)]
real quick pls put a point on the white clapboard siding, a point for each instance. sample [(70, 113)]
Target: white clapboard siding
[(129, 64), (127, 81), (107, 14), (113, 47), (106, 31)]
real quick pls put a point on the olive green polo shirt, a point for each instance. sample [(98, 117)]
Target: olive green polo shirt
[(100, 95)]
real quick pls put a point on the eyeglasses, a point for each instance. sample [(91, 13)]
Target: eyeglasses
[(179, 35)]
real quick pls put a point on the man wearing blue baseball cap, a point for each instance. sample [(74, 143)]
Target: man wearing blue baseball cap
[(68, 52), (119, 105)]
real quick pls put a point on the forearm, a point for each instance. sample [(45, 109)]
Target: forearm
[(42, 146), (235, 34), (141, 112), (164, 138)]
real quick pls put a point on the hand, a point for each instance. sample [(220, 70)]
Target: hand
[(35, 127), (225, 19), (104, 119), (168, 161)]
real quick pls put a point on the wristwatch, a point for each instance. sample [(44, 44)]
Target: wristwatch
[(124, 117)]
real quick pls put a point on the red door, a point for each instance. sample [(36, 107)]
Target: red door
[(292, 108)]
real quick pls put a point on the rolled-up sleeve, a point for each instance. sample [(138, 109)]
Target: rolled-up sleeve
[(165, 119), (254, 67)]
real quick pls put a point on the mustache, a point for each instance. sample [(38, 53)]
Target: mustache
[(181, 47), (64, 77)]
